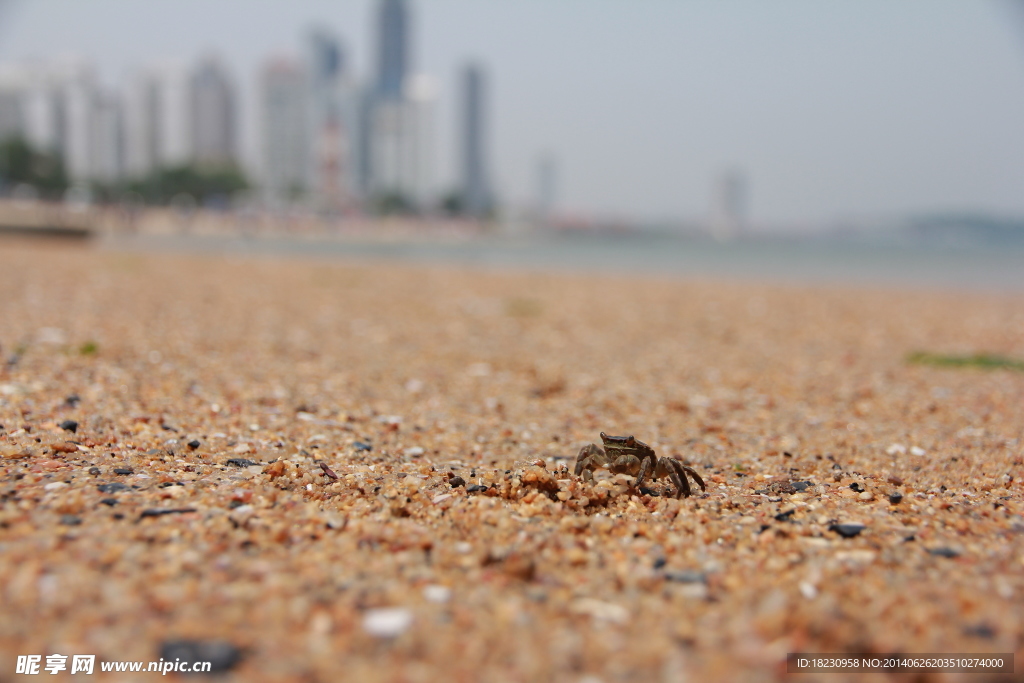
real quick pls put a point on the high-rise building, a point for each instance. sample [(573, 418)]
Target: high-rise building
[(141, 124), (728, 212), (107, 138), (392, 48), (285, 120), (334, 124), (213, 115), (476, 192)]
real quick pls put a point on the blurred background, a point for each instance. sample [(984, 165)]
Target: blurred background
[(728, 120)]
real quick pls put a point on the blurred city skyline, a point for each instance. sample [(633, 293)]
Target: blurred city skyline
[(822, 111)]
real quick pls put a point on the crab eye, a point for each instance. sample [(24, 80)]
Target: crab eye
[(603, 436), (630, 441)]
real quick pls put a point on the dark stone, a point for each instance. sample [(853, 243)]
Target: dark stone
[(69, 425), (112, 487), (118, 515), (240, 462), (362, 446), (168, 428), (476, 489), (235, 504), (685, 576), (123, 470), (857, 487), (799, 486), (895, 498), (660, 563), (222, 655), (784, 516), (109, 501), (160, 512), (456, 481), (165, 484), (944, 552), (644, 491), (72, 400), (982, 630), (193, 444), (70, 520), (847, 530), (94, 471)]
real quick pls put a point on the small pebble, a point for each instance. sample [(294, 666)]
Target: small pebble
[(70, 520), (112, 487), (222, 655), (944, 552), (895, 498), (387, 622), (94, 471), (362, 446), (193, 444), (240, 462), (847, 530), (438, 594), (69, 425), (685, 576), (160, 512), (124, 470), (476, 488), (109, 501), (456, 481)]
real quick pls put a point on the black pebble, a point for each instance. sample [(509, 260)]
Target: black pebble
[(475, 489), (685, 576), (94, 471), (457, 481), (660, 562), (193, 444), (123, 470), (800, 485), (109, 501), (943, 552), (847, 530), (857, 487), (361, 446), (69, 425), (70, 520), (980, 631), (783, 516), (72, 400), (112, 487), (895, 498), (118, 515), (240, 462), (235, 504), (644, 491), (160, 512), (221, 655)]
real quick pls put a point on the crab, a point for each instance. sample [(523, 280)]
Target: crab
[(628, 455)]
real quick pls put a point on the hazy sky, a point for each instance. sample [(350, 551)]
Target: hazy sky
[(832, 109)]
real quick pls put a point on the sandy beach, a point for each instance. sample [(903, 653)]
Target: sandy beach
[(311, 470)]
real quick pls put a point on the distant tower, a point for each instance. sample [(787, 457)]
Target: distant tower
[(475, 183), (285, 130), (213, 115), (729, 206), (330, 121), (546, 188), (393, 49)]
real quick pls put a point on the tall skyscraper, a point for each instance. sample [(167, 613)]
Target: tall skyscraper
[(141, 124), (392, 48), (213, 115), (285, 126), (334, 123), (476, 191), (728, 212)]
